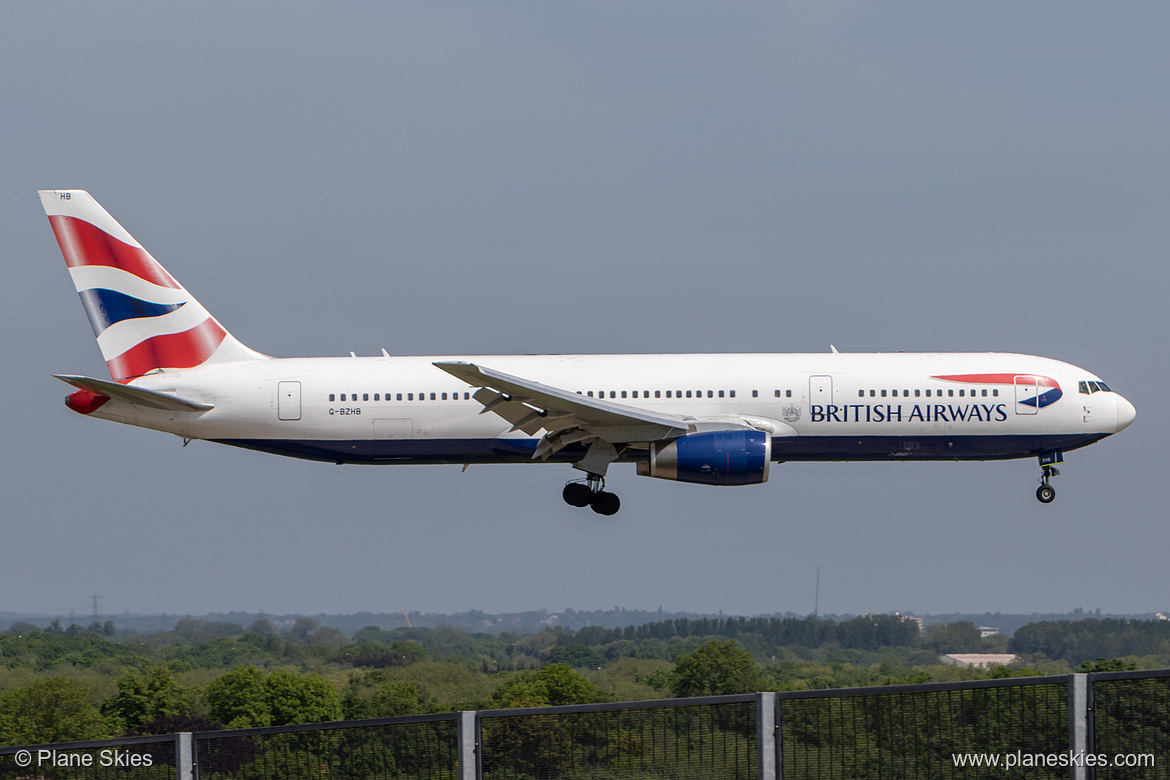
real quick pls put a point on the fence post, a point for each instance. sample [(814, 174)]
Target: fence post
[(467, 740), (1078, 725), (184, 762), (766, 735)]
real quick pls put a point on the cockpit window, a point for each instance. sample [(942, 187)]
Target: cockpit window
[(1095, 386)]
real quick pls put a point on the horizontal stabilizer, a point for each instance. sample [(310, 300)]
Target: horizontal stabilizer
[(135, 395)]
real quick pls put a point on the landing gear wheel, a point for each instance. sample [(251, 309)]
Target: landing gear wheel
[(606, 503), (1045, 493), (577, 494)]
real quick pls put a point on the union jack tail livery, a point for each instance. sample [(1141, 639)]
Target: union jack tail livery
[(143, 319)]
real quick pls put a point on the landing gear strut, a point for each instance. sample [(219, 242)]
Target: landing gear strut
[(1046, 493), (591, 492)]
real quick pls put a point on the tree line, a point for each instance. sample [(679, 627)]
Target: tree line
[(60, 684)]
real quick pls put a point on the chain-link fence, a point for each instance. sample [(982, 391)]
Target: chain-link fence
[(915, 731), (406, 748), (946, 730), (712, 738), (1131, 718)]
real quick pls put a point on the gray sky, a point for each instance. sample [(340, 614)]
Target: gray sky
[(446, 178)]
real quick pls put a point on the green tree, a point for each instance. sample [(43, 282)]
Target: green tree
[(300, 698), (959, 637), (576, 655), (238, 700), (552, 686), (143, 698), (1107, 665), (56, 709), (374, 694), (717, 668)]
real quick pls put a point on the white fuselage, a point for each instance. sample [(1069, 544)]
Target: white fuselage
[(816, 406)]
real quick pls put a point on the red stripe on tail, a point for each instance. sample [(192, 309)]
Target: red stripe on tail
[(173, 350), (84, 244)]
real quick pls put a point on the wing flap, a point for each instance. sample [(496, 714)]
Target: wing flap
[(515, 398)]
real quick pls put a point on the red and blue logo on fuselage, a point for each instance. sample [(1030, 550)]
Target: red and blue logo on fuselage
[(1032, 389)]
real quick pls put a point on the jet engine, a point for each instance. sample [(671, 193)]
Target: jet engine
[(732, 457)]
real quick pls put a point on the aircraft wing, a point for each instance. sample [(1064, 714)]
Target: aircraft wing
[(136, 395), (531, 406)]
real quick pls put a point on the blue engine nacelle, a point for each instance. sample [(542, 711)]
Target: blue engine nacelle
[(735, 457)]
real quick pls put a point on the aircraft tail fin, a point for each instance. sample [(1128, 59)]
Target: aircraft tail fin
[(143, 319)]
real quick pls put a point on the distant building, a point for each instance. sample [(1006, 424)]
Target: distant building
[(986, 631), (1160, 616), (977, 660), (912, 620)]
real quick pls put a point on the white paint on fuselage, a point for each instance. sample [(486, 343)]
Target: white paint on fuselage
[(245, 394)]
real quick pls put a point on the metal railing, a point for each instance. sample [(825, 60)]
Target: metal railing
[(903, 731)]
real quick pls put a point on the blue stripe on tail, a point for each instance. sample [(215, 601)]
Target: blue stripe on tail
[(107, 307)]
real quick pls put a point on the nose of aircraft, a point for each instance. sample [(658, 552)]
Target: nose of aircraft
[(1125, 413)]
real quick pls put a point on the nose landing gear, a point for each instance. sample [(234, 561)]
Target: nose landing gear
[(1046, 493), (591, 492)]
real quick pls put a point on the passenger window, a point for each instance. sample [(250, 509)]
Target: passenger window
[(917, 393), (984, 393), (444, 396), (710, 393), (377, 397), (905, 393), (732, 393), (995, 392), (928, 392), (755, 393), (331, 397), (365, 396), (872, 393), (466, 396), (613, 393), (590, 394), (432, 396), (688, 393), (657, 393), (623, 393), (883, 393), (398, 397), (343, 396), (860, 393), (410, 396), (950, 393)]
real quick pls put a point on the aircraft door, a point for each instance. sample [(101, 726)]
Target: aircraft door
[(288, 400), (1027, 395), (820, 389)]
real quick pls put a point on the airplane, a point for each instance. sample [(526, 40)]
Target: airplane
[(712, 419)]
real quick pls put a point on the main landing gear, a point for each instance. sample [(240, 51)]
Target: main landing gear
[(591, 492), (1046, 493)]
